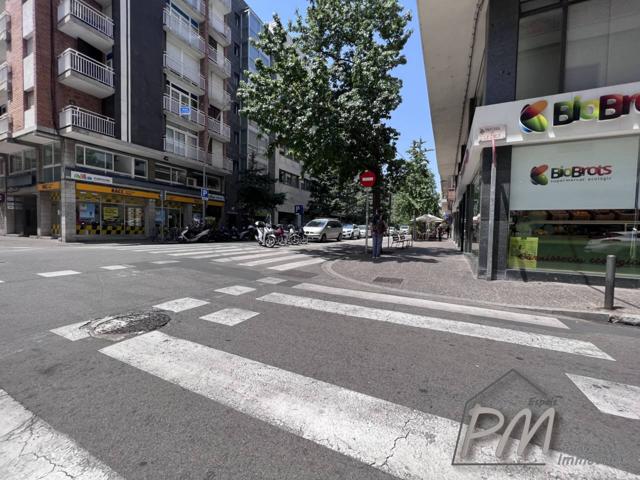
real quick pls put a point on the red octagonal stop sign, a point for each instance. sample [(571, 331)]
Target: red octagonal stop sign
[(367, 178)]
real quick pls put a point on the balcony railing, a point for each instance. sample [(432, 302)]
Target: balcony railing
[(183, 29), (219, 26), (174, 106), (197, 5), (5, 22), (184, 150), (228, 164), (4, 76), (179, 68), (219, 128), (220, 60), (73, 116), (5, 124), (89, 15), (226, 5), (220, 97), (73, 60)]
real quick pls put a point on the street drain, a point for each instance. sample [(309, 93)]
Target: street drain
[(388, 280), (130, 323)]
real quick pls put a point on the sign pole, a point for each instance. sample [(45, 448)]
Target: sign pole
[(163, 216), (492, 212), (204, 185), (366, 226)]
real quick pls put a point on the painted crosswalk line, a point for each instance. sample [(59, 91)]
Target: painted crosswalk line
[(610, 397), (116, 267), (253, 256), (271, 280), (265, 261), (61, 273), (165, 262), (230, 251), (72, 332), (181, 304), (294, 265), (407, 443), (230, 316), (220, 254), (30, 448), (498, 334), (235, 290), (433, 305), (194, 252)]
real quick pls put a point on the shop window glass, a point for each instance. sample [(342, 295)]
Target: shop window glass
[(477, 223), (123, 164), (88, 216), (94, 158), (602, 40), (140, 168), (112, 217), (135, 220), (539, 54)]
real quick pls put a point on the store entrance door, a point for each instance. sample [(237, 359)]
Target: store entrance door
[(30, 215)]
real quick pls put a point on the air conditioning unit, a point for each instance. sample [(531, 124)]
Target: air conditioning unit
[(191, 182)]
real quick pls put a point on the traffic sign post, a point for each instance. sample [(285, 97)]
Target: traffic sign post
[(367, 180), (204, 194), (299, 210)]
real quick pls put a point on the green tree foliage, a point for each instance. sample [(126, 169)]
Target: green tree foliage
[(256, 196), (414, 186), (345, 201), (329, 91)]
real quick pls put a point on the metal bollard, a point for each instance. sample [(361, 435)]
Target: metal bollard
[(610, 282)]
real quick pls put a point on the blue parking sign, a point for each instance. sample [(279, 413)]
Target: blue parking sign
[(204, 193)]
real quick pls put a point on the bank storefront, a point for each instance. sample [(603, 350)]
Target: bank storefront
[(566, 172)]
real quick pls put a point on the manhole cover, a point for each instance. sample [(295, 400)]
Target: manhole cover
[(127, 324), (388, 280)]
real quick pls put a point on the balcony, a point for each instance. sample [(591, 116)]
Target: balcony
[(5, 76), (186, 151), (220, 99), (184, 31), (218, 63), (5, 26), (223, 5), (221, 163), (185, 114), (78, 118), (78, 71), (79, 20), (194, 8), (219, 30), (219, 130), (227, 165), (5, 126), (190, 77)]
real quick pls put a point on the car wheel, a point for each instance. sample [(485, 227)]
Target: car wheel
[(323, 238), (339, 237)]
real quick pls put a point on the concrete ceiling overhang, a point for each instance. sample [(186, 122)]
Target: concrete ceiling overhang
[(453, 39)]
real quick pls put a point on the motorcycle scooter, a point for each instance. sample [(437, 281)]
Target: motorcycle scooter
[(194, 233)]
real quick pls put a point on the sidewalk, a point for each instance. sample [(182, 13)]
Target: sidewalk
[(439, 269)]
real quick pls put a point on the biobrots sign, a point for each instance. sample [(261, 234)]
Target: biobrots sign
[(574, 173), (606, 107)]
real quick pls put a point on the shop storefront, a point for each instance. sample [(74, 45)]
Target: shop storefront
[(111, 211)]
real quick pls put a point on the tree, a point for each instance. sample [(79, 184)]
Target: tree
[(328, 90), (332, 199), (255, 193), (414, 186)]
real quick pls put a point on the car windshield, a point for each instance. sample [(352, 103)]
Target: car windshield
[(348, 226), (316, 223)]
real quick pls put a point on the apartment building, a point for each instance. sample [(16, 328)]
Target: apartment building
[(114, 116), (535, 106)]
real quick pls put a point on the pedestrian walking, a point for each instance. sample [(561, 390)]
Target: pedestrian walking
[(440, 232), (378, 227)]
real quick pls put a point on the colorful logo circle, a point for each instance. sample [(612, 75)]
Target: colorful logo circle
[(537, 175), (531, 118)]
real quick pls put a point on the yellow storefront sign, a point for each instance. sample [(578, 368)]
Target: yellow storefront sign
[(47, 187), (523, 252), (117, 191), (193, 200)]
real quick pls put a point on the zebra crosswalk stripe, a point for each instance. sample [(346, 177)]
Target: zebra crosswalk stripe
[(257, 255), (432, 305), (612, 398), (181, 304), (303, 263), (255, 263), (498, 334), (401, 441)]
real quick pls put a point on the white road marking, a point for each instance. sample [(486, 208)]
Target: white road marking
[(271, 280), (181, 304), (497, 334), (258, 255), (196, 252), (61, 273), (230, 316), (401, 441), (229, 251), (30, 448), (116, 267), (1, 281), (291, 266), (72, 332), (273, 260), (432, 305), (165, 262), (218, 254), (235, 290), (610, 397)]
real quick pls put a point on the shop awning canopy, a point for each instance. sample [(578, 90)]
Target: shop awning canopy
[(428, 218)]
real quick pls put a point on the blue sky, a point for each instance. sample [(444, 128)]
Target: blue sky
[(412, 118)]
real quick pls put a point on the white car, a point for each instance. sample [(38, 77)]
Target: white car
[(404, 229), (323, 229), (350, 231), (613, 242)]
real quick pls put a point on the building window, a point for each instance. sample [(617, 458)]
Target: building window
[(169, 174), (236, 138), (51, 170), (110, 163), (22, 162), (236, 50), (236, 108), (237, 19), (236, 79), (289, 179), (306, 184)]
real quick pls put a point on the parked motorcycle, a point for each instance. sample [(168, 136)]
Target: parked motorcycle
[(265, 235), (194, 233)]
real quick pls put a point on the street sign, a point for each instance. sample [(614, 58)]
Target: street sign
[(496, 132), (298, 209), (185, 111), (204, 193), (367, 179)]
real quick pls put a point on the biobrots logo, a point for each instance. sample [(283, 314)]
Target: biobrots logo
[(568, 174), (537, 175), (532, 119)]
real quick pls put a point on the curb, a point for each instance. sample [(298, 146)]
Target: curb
[(594, 316)]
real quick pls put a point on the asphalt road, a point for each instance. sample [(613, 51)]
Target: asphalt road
[(286, 377)]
